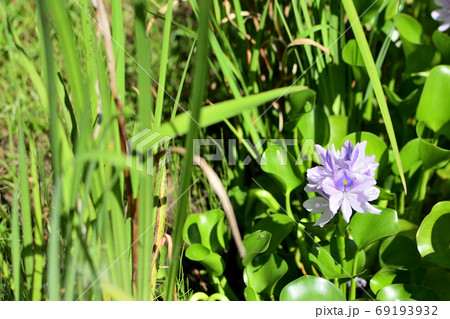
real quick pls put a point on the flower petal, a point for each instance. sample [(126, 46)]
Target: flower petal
[(335, 202), (370, 209), (325, 218), (329, 187), (346, 209), (372, 193)]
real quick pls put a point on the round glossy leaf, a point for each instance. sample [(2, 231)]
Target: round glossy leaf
[(250, 294), (338, 128), (280, 164), (407, 229), (434, 104), (442, 42), (433, 235), (388, 276), (255, 244), (310, 288), (375, 146), (327, 259), (314, 125), (409, 28), (402, 292), (298, 101), (368, 228), (205, 229), (211, 261), (399, 251), (279, 225), (263, 273), (351, 54), (409, 156), (430, 154)]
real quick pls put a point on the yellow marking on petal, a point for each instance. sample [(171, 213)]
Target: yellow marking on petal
[(345, 182)]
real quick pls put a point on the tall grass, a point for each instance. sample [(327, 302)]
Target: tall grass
[(89, 227)]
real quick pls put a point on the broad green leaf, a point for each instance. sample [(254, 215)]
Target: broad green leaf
[(407, 229), (404, 291), (327, 259), (399, 251), (279, 225), (211, 261), (338, 128), (250, 294), (430, 154), (281, 165), (204, 229), (263, 273), (388, 276), (375, 146), (409, 155), (368, 228), (255, 243), (351, 54), (315, 125), (433, 235), (310, 288), (442, 42), (434, 104), (298, 102), (409, 28)]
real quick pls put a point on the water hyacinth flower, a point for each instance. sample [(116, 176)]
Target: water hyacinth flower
[(345, 180), (443, 14)]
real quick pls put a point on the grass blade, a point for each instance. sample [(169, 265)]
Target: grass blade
[(375, 80), (198, 91)]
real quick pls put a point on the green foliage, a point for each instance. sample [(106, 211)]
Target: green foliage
[(79, 222)]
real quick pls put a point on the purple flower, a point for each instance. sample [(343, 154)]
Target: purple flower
[(443, 14), (345, 181)]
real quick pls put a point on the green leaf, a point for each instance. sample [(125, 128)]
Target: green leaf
[(430, 154), (314, 125), (388, 276), (400, 252), (355, 23), (442, 42), (407, 229), (409, 28), (310, 288), (351, 54), (210, 115), (338, 128), (281, 165), (402, 291), (327, 259), (211, 261), (368, 228), (434, 104), (279, 225), (256, 243), (409, 155), (433, 236), (250, 294), (263, 273), (204, 229), (298, 102)]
